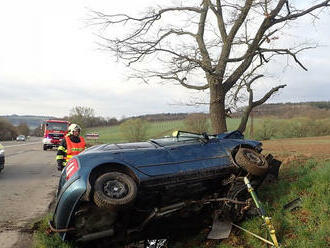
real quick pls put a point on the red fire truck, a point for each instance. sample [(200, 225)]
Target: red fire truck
[(54, 131)]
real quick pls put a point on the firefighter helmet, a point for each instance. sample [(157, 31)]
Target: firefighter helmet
[(73, 127)]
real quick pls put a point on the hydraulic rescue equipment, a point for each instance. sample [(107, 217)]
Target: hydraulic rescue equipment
[(263, 215)]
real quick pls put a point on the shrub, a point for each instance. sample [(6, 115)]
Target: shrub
[(266, 130), (197, 123), (293, 128), (134, 129), (290, 129), (322, 127)]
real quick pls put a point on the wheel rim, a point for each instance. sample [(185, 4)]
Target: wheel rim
[(115, 189), (254, 158)]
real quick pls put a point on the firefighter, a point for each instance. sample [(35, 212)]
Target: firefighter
[(71, 145)]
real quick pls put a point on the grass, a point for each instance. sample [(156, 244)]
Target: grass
[(308, 226), (155, 130), (42, 239)]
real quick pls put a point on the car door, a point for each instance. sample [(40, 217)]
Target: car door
[(149, 159), (196, 157)]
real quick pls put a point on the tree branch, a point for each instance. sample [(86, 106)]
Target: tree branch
[(287, 51), (251, 51), (200, 36), (221, 24), (239, 21), (155, 43), (249, 89), (302, 13), (226, 49), (181, 81), (268, 95)]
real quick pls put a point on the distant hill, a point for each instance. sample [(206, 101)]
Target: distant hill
[(31, 120), (280, 110), (162, 117), (289, 110)]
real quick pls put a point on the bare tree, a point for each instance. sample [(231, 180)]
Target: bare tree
[(226, 41), (84, 116)]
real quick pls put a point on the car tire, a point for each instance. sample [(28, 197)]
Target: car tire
[(45, 147), (252, 161), (114, 190)]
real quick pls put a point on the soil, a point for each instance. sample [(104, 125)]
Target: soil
[(295, 148)]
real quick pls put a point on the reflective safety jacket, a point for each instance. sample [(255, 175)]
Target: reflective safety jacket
[(77, 144), (74, 148)]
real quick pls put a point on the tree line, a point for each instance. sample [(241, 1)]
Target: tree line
[(85, 117), (9, 132)]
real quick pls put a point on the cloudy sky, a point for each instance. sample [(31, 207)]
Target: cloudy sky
[(50, 63)]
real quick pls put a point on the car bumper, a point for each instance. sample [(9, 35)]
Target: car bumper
[(67, 201), (51, 142)]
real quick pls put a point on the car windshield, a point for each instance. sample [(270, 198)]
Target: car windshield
[(181, 137), (57, 126)]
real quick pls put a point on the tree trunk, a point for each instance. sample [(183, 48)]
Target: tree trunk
[(217, 107), (244, 119)]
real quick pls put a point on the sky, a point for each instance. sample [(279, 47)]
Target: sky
[(50, 62)]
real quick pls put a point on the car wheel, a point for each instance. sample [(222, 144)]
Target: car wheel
[(236, 192), (114, 190), (45, 147), (252, 161)]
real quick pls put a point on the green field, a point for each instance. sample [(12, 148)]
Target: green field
[(154, 130)]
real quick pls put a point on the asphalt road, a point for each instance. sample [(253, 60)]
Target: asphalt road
[(27, 186)]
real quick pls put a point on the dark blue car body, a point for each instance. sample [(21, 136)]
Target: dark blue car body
[(167, 171)]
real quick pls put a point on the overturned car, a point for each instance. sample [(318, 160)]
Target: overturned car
[(120, 193)]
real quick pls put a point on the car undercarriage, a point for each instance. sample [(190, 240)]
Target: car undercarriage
[(169, 210)]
